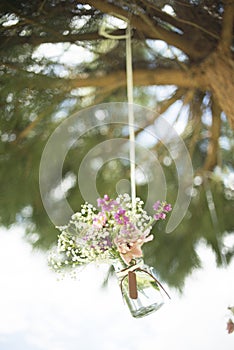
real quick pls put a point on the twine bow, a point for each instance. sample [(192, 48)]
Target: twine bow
[(132, 282)]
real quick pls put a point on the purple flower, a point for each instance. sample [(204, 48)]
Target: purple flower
[(161, 208), (100, 202), (156, 205), (106, 203), (104, 243), (121, 211), (108, 242), (120, 217), (157, 217), (167, 207)]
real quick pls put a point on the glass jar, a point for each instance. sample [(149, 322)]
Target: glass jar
[(140, 288)]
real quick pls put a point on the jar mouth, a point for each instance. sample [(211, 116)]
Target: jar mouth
[(144, 311)]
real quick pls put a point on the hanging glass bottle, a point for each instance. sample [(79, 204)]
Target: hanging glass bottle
[(140, 287)]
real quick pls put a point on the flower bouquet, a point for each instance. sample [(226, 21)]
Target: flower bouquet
[(114, 234)]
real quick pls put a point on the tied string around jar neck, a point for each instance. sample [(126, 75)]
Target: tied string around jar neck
[(130, 273)]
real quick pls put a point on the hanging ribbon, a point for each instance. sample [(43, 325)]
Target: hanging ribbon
[(130, 271), (131, 113), (129, 74)]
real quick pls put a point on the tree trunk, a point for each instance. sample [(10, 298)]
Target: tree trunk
[(217, 71)]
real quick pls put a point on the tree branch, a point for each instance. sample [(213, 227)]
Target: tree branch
[(71, 38), (153, 31), (197, 127), (24, 133), (213, 146), (228, 21), (31, 126), (141, 77), (164, 105), (176, 21)]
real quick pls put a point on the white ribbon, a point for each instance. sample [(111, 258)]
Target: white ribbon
[(129, 75)]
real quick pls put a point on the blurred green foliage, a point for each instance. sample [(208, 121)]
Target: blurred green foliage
[(38, 92)]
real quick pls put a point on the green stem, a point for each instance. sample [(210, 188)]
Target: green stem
[(149, 224)]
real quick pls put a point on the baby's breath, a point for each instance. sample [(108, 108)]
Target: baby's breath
[(103, 235)]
